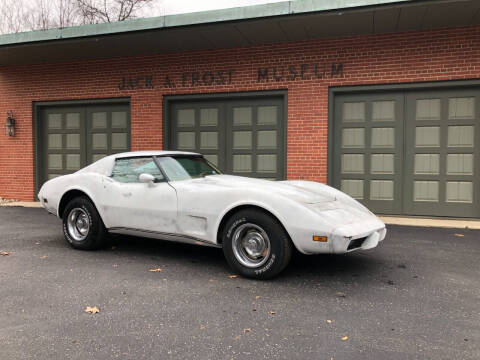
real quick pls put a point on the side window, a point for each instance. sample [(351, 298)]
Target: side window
[(128, 170)]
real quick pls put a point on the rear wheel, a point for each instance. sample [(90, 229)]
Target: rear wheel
[(82, 225), (256, 245)]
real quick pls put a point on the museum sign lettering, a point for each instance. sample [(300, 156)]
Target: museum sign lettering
[(226, 77)]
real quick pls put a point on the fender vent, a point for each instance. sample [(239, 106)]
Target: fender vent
[(355, 244)]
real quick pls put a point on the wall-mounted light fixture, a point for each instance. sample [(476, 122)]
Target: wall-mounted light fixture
[(10, 124)]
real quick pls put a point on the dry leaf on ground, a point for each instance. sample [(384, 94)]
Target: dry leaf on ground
[(5, 253), (92, 310), (233, 276), (329, 321), (459, 235), (344, 338), (246, 330), (43, 257), (272, 312), (155, 270), (37, 243)]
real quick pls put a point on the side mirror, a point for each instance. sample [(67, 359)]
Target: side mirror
[(146, 178)]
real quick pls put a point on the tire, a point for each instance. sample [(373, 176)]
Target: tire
[(87, 232), (270, 247)]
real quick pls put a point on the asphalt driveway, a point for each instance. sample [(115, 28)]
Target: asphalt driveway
[(416, 296)]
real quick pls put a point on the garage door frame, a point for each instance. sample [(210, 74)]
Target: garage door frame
[(366, 89), (39, 106), (168, 101)]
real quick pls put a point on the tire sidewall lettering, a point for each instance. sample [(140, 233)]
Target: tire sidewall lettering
[(267, 266), (234, 225)]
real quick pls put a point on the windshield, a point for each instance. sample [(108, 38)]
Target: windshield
[(186, 167)]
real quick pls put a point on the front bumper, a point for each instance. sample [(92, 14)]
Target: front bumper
[(343, 241), (361, 235)]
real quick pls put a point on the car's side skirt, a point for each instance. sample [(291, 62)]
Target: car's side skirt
[(162, 236)]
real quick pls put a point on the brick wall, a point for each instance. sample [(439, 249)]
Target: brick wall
[(408, 57)]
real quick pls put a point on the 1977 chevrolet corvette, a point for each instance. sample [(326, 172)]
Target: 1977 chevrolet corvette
[(182, 197)]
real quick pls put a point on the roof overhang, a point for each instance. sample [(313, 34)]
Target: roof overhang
[(246, 26)]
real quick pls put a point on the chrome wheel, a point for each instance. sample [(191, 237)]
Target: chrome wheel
[(251, 245), (78, 224)]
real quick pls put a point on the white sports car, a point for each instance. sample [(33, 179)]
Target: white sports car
[(182, 197)]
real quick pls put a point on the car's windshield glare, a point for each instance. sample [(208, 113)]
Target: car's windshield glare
[(184, 168)]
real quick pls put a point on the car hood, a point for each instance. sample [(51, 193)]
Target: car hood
[(302, 191)]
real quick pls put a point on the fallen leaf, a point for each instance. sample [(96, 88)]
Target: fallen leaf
[(272, 312), (341, 294), (202, 326), (92, 310), (344, 338), (233, 276), (246, 330), (155, 270), (329, 321), (5, 253), (459, 235), (37, 243), (257, 297), (43, 257)]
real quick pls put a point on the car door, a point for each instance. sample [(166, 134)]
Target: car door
[(131, 204)]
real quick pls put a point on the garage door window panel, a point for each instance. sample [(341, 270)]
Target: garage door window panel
[(209, 117), (461, 108), (353, 138), (460, 164), (354, 188), (73, 121), (99, 120), (461, 136), (73, 162), (383, 110), (242, 116), (428, 109), (186, 118), (54, 121), (353, 112), (382, 164), (119, 120), (459, 192), (73, 141), (55, 141)]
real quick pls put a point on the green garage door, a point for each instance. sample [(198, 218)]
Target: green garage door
[(73, 137), (241, 137), (412, 153)]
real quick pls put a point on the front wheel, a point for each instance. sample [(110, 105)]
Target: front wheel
[(256, 245), (82, 225)]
